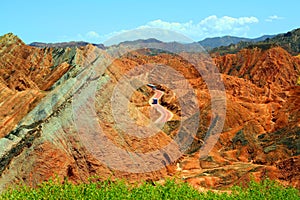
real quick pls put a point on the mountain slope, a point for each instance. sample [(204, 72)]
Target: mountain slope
[(64, 44), (290, 41), (210, 43), (26, 74), (260, 137)]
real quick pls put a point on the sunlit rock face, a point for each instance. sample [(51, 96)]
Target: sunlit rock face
[(40, 136)]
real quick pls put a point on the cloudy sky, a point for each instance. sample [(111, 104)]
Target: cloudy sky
[(96, 21)]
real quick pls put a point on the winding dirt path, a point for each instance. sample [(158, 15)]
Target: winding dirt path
[(165, 114)]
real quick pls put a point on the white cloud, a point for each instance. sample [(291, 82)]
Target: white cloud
[(211, 26), (208, 27), (92, 34), (273, 18)]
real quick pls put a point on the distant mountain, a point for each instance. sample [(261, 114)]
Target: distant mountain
[(141, 41), (64, 44), (290, 41), (210, 43)]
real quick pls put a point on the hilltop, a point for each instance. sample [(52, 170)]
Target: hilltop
[(210, 43), (64, 44), (290, 41)]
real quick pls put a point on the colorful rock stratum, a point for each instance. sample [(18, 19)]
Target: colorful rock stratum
[(39, 137)]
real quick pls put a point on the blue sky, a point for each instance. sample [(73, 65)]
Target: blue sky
[(95, 21)]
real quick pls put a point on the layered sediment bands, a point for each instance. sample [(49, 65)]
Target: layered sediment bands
[(56, 149), (26, 73), (24, 67), (40, 138), (52, 80), (262, 120), (274, 68)]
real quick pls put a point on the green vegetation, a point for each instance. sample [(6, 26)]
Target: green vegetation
[(170, 190)]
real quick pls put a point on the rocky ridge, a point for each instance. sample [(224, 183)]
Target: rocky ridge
[(260, 137)]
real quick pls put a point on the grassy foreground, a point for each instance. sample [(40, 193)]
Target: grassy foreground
[(170, 190)]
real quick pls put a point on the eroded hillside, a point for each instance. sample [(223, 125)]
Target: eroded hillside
[(260, 137)]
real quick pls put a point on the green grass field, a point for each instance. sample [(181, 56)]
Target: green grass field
[(170, 190)]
